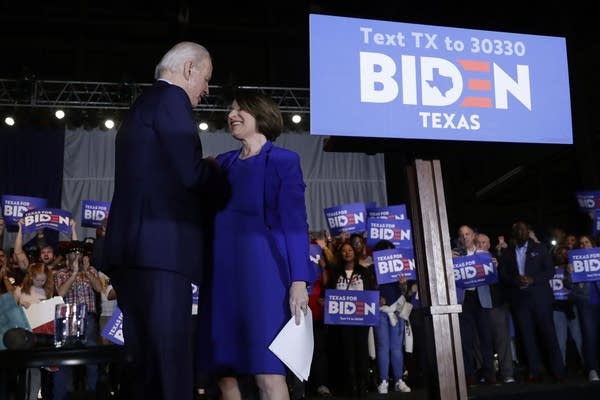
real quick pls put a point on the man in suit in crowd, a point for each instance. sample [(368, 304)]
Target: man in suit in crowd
[(160, 220), (525, 268), (476, 336), (499, 318)]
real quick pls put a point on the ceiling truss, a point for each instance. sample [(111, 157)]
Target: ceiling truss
[(120, 95)]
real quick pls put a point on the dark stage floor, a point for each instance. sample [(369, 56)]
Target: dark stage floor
[(574, 388)]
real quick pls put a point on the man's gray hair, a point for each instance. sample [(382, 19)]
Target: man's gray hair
[(178, 54)]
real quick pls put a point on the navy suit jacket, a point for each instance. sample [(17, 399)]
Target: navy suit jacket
[(163, 205), (538, 264)]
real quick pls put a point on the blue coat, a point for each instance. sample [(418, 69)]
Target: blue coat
[(279, 163), (162, 209), (261, 246)]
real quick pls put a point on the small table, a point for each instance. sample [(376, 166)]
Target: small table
[(15, 362)]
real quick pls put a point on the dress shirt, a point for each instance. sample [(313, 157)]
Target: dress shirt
[(520, 253)]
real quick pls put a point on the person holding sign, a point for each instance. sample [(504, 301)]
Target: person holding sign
[(587, 303), (261, 252), (353, 356), (47, 255), (525, 269), (78, 283), (161, 214), (499, 315), (565, 314), (38, 285), (475, 317), (389, 334)]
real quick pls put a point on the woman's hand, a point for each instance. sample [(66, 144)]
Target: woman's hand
[(298, 300)]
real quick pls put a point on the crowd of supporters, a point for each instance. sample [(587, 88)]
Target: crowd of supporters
[(513, 330)]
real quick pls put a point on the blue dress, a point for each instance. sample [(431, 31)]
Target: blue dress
[(250, 288)]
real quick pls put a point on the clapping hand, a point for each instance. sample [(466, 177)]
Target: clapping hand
[(75, 265)]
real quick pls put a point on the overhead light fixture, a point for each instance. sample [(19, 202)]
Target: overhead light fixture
[(59, 114), (296, 118), (203, 126), (10, 121), (109, 123)]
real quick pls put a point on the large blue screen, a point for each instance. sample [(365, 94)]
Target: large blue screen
[(385, 79)]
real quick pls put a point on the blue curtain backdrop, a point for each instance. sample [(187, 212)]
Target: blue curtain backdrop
[(69, 166), (31, 164)]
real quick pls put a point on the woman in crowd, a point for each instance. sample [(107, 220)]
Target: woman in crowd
[(360, 248), (565, 313), (389, 334), (38, 285), (352, 355), (587, 301), (318, 381), (261, 252)]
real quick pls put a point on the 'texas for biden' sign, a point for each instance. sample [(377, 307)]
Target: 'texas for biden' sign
[(586, 264), (475, 270), (351, 307), (392, 263)]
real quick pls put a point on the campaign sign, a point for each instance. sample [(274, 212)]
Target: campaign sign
[(51, 218), (346, 218), (351, 307), (93, 212), (586, 264), (474, 270), (13, 207), (391, 263), (113, 330), (397, 231), (558, 288), (588, 201), (389, 212), (398, 80)]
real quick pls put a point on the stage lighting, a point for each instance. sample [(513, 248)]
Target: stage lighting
[(59, 114), (10, 121), (296, 118), (109, 123), (203, 126)]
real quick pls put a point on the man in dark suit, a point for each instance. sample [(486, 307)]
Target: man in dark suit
[(159, 222), (475, 332), (525, 268)]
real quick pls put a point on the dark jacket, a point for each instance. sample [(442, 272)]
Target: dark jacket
[(538, 265), (163, 204)]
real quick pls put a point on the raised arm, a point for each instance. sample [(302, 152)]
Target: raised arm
[(22, 258), (73, 224)]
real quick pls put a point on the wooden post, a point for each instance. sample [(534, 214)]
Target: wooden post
[(433, 256)]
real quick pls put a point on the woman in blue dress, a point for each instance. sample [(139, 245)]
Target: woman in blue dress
[(261, 267)]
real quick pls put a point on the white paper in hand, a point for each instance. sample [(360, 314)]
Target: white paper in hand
[(294, 345)]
